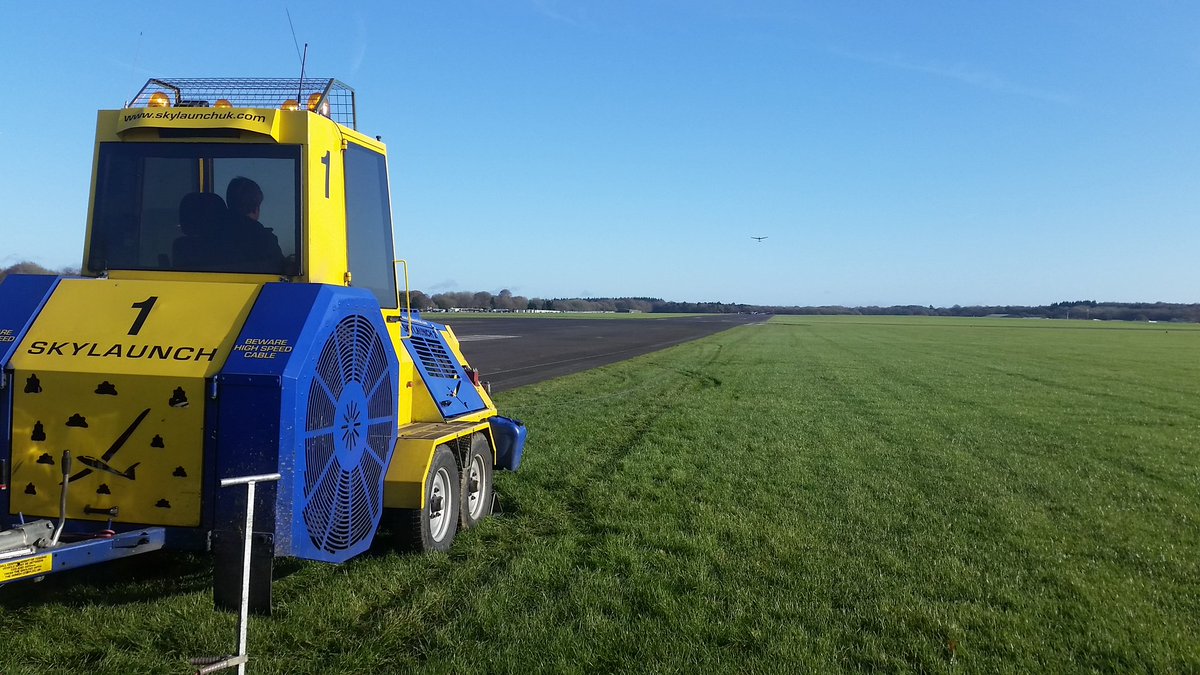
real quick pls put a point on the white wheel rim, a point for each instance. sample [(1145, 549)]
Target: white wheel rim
[(475, 487), (439, 505)]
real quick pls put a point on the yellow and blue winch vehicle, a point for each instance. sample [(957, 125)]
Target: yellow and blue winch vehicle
[(240, 313)]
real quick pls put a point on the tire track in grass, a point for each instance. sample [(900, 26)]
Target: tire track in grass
[(588, 484), (1023, 527), (584, 533), (607, 461), (862, 512), (883, 397)]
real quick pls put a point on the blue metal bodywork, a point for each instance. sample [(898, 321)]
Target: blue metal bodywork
[(509, 435), (22, 296), (444, 376), (99, 549), (309, 392)]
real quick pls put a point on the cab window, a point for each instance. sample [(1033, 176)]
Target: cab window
[(369, 225), (162, 206)]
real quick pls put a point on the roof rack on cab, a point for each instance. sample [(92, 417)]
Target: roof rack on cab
[(326, 96)]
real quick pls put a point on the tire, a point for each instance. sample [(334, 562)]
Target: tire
[(433, 527), (476, 487)]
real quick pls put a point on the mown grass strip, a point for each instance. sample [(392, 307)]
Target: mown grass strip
[(814, 494)]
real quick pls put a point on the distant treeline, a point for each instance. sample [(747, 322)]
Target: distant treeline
[(33, 268), (1078, 309), (506, 301)]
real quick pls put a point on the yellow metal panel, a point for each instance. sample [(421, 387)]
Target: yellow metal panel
[(206, 277), (136, 442), (282, 126), (480, 416), (260, 121), (325, 212), (407, 374), (440, 432), (424, 408), (114, 371), (104, 129), (178, 329), (403, 486)]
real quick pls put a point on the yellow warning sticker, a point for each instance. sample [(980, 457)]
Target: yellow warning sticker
[(27, 567)]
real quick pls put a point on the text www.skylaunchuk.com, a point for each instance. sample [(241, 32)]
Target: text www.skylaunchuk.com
[(188, 115)]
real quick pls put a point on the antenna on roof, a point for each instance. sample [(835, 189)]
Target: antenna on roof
[(294, 40), (300, 84), (137, 51), (303, 57)]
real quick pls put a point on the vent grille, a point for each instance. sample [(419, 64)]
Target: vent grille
[(434, 357)]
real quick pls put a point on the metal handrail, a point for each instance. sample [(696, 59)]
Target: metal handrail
[(407, 296)]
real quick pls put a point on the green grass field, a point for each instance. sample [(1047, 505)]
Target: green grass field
[(810, 495)]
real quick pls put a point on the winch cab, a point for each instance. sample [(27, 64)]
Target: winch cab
[(168, 167), (240, 313)]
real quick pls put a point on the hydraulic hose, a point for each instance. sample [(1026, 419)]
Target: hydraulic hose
[(62, 502)]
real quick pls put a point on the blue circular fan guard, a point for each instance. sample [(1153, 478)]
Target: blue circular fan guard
[(349, 427)]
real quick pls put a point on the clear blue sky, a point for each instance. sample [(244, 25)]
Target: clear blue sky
[(893, 152)]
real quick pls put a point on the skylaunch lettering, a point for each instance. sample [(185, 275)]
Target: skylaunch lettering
[(121, 351)]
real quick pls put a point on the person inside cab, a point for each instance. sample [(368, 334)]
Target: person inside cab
[(255, 248), (202, 220)]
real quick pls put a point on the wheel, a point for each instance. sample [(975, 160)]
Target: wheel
[(433, 527), (476, 482)]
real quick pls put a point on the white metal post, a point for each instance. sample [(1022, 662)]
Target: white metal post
[(242, 657), (244, 608)]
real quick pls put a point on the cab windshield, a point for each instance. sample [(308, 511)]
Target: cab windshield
[(197, 207)]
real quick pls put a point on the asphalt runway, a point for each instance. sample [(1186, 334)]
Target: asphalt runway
[(511, 353)]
